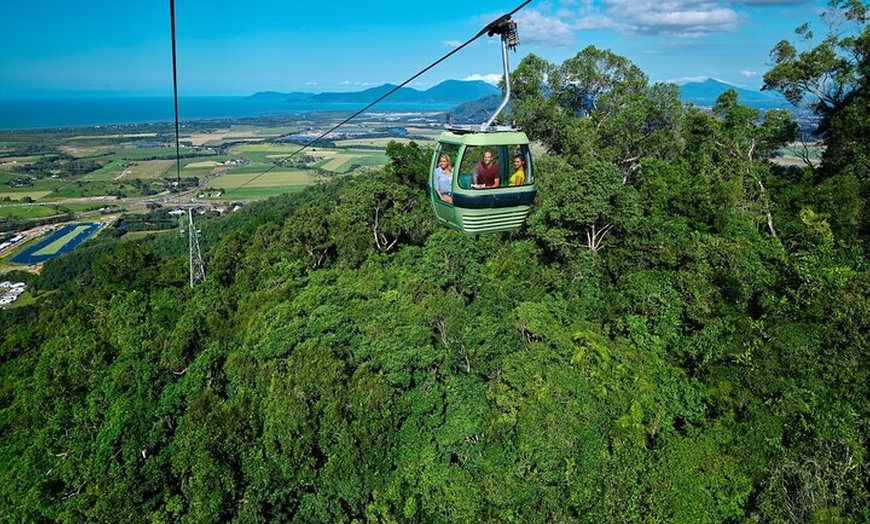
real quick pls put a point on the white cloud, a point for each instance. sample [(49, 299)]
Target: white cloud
[(764, 3), (591, 22), (671, 17), (748, 74), (686, 80), (358, 83), (554, 22), (534, 27), (674, 17), (491, 78), (697, 79), (452, 44)]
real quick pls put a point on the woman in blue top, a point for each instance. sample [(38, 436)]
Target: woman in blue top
[(443, 179)]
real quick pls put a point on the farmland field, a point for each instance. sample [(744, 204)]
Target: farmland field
[(139, 235), (260, 184), (337, 162), (261, 152), (113, 136), (343, 162), (375, 142), (148, 153), (27, 211), (18, 195), (236, 133), (204, 163), (78, 208), (122, 166), (148, 169)]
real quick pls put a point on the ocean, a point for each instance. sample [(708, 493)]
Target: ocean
[(45, 113)]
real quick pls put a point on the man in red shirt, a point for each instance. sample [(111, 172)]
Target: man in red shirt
[(485, 173)]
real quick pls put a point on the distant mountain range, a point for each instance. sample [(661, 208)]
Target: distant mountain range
[(483, 95), (447, 92), (704, 94)]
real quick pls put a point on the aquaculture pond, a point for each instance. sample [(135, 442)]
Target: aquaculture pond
[(61, 241)]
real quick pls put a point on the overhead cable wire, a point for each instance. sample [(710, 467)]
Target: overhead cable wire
[(175, 93), (484, 31)]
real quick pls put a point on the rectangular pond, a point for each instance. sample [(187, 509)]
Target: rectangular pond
[(61, 241)]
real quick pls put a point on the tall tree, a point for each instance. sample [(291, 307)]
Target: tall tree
[(743, 142), (578, 207), (597, 105), (831, 77)]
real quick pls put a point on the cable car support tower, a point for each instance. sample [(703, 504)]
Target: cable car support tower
[(197, 266)]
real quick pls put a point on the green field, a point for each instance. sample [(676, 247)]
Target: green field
[(138, 235), (260, 184), (18, 195), (377, 142), (47, 184), (264, 153), (85, 189), (343, 162), (28, 211), (146, 153), (106, 173), (78, 208), (137, 164)]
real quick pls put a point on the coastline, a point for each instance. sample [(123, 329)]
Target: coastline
[(23, 114)]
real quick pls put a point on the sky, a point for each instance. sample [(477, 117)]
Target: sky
[(110, 47)]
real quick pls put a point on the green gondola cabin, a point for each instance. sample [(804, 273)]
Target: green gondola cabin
[(482, 206), (481, 177)]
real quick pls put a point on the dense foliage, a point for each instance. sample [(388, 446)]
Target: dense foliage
[(679, 335)]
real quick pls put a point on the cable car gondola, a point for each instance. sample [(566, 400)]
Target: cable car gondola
[(491, 182)]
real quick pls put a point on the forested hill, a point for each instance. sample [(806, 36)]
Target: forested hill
[(679, 334)]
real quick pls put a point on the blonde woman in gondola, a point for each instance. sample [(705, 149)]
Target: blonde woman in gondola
[(443, 179)]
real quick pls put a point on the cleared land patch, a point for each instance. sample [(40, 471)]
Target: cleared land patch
[(337, 162), (27, 212), (344, 162), (147, 169), (259, 185), (270, 149), (372, 142), (223, 135), (86, 151), (17, 195), (206, 163), (102, 137)]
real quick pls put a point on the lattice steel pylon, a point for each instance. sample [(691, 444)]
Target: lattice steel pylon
[(197, 267)]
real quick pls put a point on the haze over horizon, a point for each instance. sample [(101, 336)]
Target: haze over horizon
[(107, 48)]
